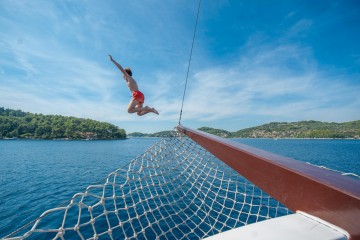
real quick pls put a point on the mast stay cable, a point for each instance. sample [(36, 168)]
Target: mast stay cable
[(188, 69)]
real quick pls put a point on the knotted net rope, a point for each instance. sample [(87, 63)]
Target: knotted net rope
[(175, 190)]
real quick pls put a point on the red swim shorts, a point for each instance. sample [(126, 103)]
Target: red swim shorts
[(139, 96)]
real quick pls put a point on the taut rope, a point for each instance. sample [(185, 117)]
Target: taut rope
[(188, 69)]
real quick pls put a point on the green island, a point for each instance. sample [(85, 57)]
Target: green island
[(157, 134), (16, 124), (302, 129)]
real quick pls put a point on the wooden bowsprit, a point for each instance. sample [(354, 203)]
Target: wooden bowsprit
[(299, 186)]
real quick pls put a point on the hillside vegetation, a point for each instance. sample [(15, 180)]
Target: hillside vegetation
[(157, 134), (215, 131), (303, 129), (19, 124)]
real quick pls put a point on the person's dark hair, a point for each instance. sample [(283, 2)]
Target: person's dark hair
[(128, 71)]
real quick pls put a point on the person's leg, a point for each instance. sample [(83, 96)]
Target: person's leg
[(147, 110), (132, 108), (136, 107), (143, 109)]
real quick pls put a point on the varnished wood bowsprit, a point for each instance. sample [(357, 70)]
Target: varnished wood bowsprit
[(299, 186)]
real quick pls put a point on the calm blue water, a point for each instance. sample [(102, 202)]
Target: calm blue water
[(37, 175), (341, 155)]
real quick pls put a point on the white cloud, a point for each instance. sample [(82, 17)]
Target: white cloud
[(264, 85), (301, 27)]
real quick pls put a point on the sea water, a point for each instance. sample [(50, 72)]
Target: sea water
[(336, 154), (36, 175)]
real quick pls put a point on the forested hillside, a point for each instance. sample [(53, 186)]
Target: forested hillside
[(157, 134), (215, 131), (19, 124), (303, 129)]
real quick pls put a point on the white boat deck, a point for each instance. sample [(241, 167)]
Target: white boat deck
[(298, 226)]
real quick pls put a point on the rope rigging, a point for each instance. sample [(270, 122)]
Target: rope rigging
[(188, 69)]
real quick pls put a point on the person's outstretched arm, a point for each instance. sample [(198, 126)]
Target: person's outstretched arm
[(118, 65)]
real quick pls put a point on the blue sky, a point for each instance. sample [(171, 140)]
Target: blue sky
[(254, 62)]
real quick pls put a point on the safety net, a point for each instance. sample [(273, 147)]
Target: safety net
[(175, 190)]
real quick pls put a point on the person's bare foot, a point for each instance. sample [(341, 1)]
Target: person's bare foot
[(155, 111)]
